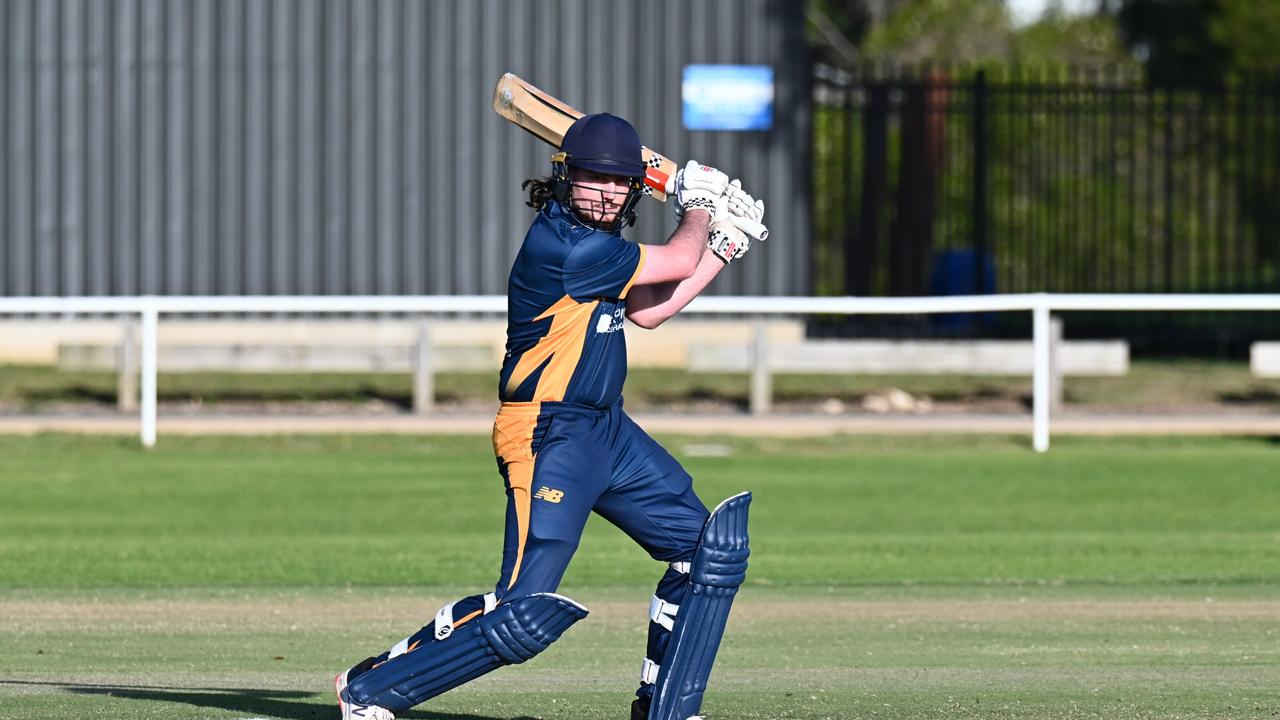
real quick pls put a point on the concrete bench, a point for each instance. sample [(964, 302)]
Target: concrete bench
[(908, 357), (915, 357), (1264, 359), (422, 360)]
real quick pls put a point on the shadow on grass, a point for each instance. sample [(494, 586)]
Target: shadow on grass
[(399, 400), (289, 704), (72, 393), (1251, 396)]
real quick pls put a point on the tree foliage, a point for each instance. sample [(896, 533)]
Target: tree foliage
[(1251, 29), (981, 32), (942, 31), (1059, 39), (1201, 42)]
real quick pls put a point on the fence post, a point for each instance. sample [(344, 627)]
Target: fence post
[(861, 252), (1040, 376), (150, 327), (1057, 388), (979, 180), (127, 367), (423, 379), (761, 382)]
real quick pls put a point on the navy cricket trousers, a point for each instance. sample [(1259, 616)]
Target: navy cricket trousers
[(562, 461)]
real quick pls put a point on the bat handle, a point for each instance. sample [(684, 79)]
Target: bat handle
[(752, 228)]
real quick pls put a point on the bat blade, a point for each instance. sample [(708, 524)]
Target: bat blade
[(545, 117), (548, 118)]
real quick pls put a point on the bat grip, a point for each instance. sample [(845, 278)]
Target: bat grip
[(752, 228)]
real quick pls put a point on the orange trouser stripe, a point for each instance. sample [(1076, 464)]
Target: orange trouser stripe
[(520, 475)]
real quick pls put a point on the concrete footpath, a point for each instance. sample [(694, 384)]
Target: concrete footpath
[(780, 425)]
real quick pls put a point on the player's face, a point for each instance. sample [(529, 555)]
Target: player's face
[(597, 198)]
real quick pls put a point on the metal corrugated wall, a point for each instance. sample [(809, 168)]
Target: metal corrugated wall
[(348, 147)]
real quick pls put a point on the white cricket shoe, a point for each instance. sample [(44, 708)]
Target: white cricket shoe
[(353, 710)]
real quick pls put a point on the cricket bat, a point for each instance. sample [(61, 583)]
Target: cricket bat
[(548, 118)]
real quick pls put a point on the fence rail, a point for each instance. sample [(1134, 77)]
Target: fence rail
[(1040, 305)]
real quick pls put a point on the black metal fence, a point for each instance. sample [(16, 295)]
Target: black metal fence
[(952, 182)]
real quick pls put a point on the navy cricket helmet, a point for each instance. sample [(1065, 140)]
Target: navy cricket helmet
[(604, 144)]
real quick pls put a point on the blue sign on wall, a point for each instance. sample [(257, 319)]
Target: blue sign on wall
[(728, 97)]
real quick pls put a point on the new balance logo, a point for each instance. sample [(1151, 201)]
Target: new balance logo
[(551, 496)]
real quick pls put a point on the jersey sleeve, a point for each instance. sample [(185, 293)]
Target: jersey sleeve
[(602, 265)]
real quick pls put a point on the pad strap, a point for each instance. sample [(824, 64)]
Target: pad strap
[(444, 621), (663, 612), (649, 672), (444, 616)]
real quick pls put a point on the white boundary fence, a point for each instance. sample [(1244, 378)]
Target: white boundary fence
[(1040, 305)]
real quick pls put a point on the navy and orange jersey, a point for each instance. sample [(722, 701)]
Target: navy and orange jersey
[(565, 302)]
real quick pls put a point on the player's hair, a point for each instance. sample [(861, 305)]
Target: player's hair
[(541, 191)]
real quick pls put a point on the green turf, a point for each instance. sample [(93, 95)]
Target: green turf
[(915, 577), (841, 512), (266, 653)]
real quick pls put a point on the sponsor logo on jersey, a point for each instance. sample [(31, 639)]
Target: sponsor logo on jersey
[(609, 323), (551, 496)]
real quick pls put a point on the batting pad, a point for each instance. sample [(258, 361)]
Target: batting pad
[(511, 634), (719, 566)]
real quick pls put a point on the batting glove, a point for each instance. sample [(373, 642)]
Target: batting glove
[(746, 212), (719, 210), (727, 241), (698, 187)]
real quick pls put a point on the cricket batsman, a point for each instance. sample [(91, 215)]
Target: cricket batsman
[(565, 447)]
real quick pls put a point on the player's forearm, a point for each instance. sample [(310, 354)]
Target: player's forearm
[(651, 305), (678, 259), (690, 237)]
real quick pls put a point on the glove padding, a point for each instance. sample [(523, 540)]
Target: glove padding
[(727, 241), (746, 212), (698, 186)]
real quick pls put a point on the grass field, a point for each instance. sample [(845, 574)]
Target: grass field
[(890, 578)]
